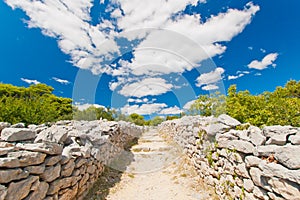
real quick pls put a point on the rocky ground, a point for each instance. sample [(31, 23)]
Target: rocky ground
[(159, 170)]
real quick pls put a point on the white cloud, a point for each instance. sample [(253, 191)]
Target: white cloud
[(89, 46), (29, 81), (250, 48), (148, 86), (144, 109), (188, 105), (62, 81), (232, 77), (210, 87), (170, 111), (266, 61), (211, 77), (263, 50), (87, 105), (67, 21)]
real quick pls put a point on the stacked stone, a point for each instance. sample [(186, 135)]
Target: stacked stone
[(58, 162), (240, 160)]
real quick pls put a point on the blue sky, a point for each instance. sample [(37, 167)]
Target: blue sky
[(149, 57)]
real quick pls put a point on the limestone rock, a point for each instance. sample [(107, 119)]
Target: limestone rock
[(227, 120), (273, 169), (56, 134), (63, 183), (239, 145), (27, 158), (52, 160), (252, 161), (4, 125), (8, 175), (39, 193), (45, 147), (295, 139), (260, 193), (241, 170), (69, 193), (278, 134), (288, 156), (255, 135), (214, 129), (258, 178), (19, 190), (18, 125), (285, 188), (51, 173), (266, 150), (17, 134), (68, 168), (3, 192), (38, 169), (248, 185)]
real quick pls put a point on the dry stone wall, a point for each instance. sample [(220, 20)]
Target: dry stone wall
[(61, 161), (240, 160)]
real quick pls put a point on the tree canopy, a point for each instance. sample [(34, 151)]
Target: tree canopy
[(33, 105), (281, 107)]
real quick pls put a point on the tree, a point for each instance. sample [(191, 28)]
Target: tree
[(137, 119)]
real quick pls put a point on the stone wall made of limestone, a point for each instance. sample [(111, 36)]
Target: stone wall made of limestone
[(61, 161), (240, 160)]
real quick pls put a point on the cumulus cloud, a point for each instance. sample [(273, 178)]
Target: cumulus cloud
[(232, 77), (268, 60), (87, 105), (144, 109), (170, 111), (29, 81), (62, 81), (188, 105), (146, 87), (210, 87), (210, 77)]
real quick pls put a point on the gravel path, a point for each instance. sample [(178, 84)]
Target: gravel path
[(159, 171)]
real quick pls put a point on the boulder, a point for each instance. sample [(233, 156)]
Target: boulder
[(19, 190), (3, 192), (27, 158), (288, 156), (256, 136), (4, 125), (8, 175), (285, 188), (45, 147), (258, 178), (278, 134), (273, 169), (18, 125), (238, 145), (39, 193), (38, 169), (51, 173), (227, 120), (294, 139), (17, 134), (56, 134)]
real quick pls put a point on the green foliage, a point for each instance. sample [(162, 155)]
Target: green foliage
[(93, 113), (209, 105), (33, 105), (156, 121), (172, 117), (281, 107), (137, 119)]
